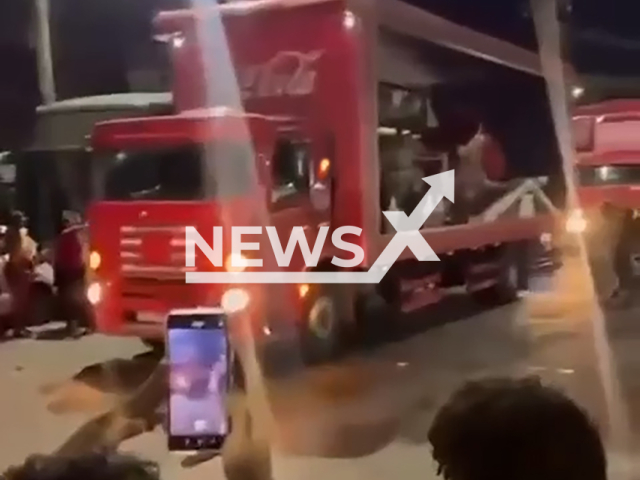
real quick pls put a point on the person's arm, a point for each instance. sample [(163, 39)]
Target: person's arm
[(31, 248), (58, 250), (495, 184), (4, 285)]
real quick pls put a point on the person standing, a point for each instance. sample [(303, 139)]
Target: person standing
[(20, 249), (622, 248), (69, 270)]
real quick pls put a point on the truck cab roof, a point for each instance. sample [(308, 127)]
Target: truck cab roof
[(67, 125), (188, 127), (605, 133), (118, 101), (610, 107)]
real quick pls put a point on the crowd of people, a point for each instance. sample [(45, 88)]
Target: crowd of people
[(21, 256), (493, 429)]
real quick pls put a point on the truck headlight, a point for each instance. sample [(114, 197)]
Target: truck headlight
[(94, 260), (235, 300), (576, 222), (236, 262), (94, 293)]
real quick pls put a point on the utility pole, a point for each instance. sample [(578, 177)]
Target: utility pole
[(43, 49)]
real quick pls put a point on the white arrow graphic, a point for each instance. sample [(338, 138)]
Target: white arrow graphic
[(442, 186), (408, 236)]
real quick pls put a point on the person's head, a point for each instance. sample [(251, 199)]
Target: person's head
[(86, 467), (71, 219), (515, 429), (18, 220)]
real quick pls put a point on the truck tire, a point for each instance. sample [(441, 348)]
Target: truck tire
[(509, 282), (324, 326), (373, 314), (505, 291)]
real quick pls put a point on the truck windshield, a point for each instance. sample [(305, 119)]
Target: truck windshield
[(609, 175), (155, 175), (178, 174)]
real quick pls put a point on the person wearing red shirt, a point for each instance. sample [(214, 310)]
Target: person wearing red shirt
[(18, 270), (69, 273)]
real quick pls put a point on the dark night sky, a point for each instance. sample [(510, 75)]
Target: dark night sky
[(600, 32), (92, 39), (604, 34)]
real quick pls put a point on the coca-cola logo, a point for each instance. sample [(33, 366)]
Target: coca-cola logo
[(286, 74)]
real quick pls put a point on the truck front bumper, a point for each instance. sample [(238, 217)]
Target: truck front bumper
[(146, 317)]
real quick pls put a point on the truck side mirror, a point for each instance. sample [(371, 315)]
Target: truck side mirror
[(263, 168)]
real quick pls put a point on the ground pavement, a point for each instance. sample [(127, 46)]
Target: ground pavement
[(365, 417)]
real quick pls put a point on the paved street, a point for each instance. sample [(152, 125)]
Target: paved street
[(366, 417)]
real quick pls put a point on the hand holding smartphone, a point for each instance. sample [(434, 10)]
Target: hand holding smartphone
[(199, 379), (246, 455)]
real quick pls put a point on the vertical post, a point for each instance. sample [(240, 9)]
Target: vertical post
[(43, 48), (549, 41)]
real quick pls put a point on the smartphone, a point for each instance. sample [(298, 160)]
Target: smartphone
[(199, 376)]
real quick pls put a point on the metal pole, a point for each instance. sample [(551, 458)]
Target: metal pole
[(549, 41), (43, 47)]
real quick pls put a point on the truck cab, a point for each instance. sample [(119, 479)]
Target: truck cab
[(607, 171), (607, 176), (200, 168), (608, 166)]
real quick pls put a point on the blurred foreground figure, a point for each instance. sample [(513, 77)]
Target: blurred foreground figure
[(21, 250), (85, 467), (515, 429), (69, 274), (610, 245), (622, 249)]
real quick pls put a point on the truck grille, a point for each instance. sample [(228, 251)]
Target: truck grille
[(137, 263)]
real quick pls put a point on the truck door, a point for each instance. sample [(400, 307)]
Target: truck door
[(301, 189)]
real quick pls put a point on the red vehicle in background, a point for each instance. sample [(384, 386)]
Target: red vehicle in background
[(608, 147), (326, 112), (608, 178)]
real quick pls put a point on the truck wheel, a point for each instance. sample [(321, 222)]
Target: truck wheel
[(323, 334), (504, 291), (156, 346), (373, 314)]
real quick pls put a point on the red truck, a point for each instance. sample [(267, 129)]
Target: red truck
[(608, 176), (608, 166), (329, 112)]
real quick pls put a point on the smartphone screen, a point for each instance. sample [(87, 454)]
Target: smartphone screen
[(199, 379)]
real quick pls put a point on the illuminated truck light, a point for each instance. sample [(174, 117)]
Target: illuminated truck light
[(349, 20), (236, 262), (576, 222), (94, 260), (235, 300), (94, 293)]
